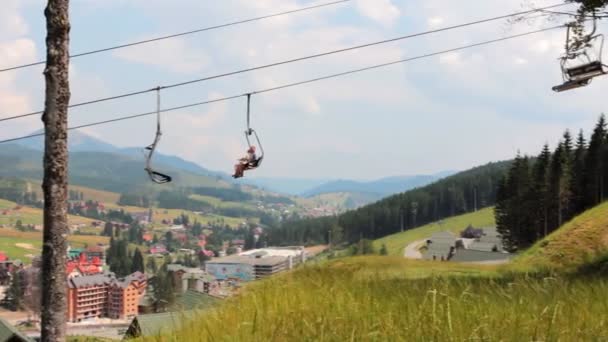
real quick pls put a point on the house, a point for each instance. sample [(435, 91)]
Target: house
[(487, 248), (193, 279), (9, 333), (440, 246), (237, 243), (471, 233), (158, 249), (147, 237), (96, 252), (82, 266), (3, 257), (74, 252)]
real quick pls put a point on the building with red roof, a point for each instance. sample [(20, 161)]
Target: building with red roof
[(81, 266)]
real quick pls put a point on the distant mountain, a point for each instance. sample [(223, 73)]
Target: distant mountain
[(382, 187), (116, 172), (77, 142), (82, 142), (289, 186), (176, 162)]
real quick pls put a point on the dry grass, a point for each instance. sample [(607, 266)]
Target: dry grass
[(391, 299), (576, 243)]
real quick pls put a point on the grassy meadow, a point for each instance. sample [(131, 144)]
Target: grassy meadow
[(24, 245), (581, 241), (9, 215), (392, 299), (396, 243)]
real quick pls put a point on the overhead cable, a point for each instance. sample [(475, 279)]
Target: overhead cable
[(232, 73), (175, 35), (377, 66)]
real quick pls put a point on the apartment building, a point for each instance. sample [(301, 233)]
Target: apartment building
[(257, 263), (104, 295)]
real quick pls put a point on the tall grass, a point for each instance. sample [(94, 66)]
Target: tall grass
[(349, 301)]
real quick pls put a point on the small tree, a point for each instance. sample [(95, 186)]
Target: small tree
[(383, 250), (108, 229), (164, 291), (151, 265), (138, 262), (14, 295)]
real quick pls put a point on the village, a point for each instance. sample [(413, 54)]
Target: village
[(101, 303)]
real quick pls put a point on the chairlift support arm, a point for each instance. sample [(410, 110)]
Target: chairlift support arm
[(156, 177)]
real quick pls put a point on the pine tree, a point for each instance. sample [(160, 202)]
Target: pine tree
[(249, 241), (577, 181), (164, 291), (594, 165), (556, 172), (138, 262), (15, 292), (539, 192), (108, 229)]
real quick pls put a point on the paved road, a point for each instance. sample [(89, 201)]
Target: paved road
[(411, 250)]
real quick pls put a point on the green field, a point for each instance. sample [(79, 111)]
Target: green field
[(19, 248), (9, 215), (23, 245), (396, 243), (392, 299)]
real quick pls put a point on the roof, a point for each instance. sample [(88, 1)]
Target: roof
[(10, 333), (249, 260), (294, 251), (484, 246), (91, 280), (3, 256), (157, 324), (193, 300), (467, 255), (105, 278)]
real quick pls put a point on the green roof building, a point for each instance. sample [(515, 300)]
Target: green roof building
[(8, 333)]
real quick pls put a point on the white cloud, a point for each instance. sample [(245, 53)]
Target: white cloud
[(12, 24), (382, 11), (435, 21), (173, 55)]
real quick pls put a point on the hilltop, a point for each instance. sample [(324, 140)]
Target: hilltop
[(577, 243)]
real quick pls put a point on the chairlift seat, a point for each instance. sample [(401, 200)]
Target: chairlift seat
[(569, 85), (157, 177), (586, 71)]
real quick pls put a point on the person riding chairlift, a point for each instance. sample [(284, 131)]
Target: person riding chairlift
[(245, 163)]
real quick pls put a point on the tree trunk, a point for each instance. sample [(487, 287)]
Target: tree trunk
[(55, 184)]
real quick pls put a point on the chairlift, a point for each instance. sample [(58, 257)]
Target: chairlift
[(249, 133), (578, 65), (156, 177)]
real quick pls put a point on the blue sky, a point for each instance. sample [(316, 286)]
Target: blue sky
[(450, 112)]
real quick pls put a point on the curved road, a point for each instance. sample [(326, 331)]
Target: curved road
[(411, 251)]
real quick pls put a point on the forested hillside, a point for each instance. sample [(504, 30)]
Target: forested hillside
[(461, 193), (537, 197)]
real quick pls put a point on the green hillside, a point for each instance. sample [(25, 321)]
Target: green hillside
[(396, 243), (99, 170), (392, 299), (580, 241)]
